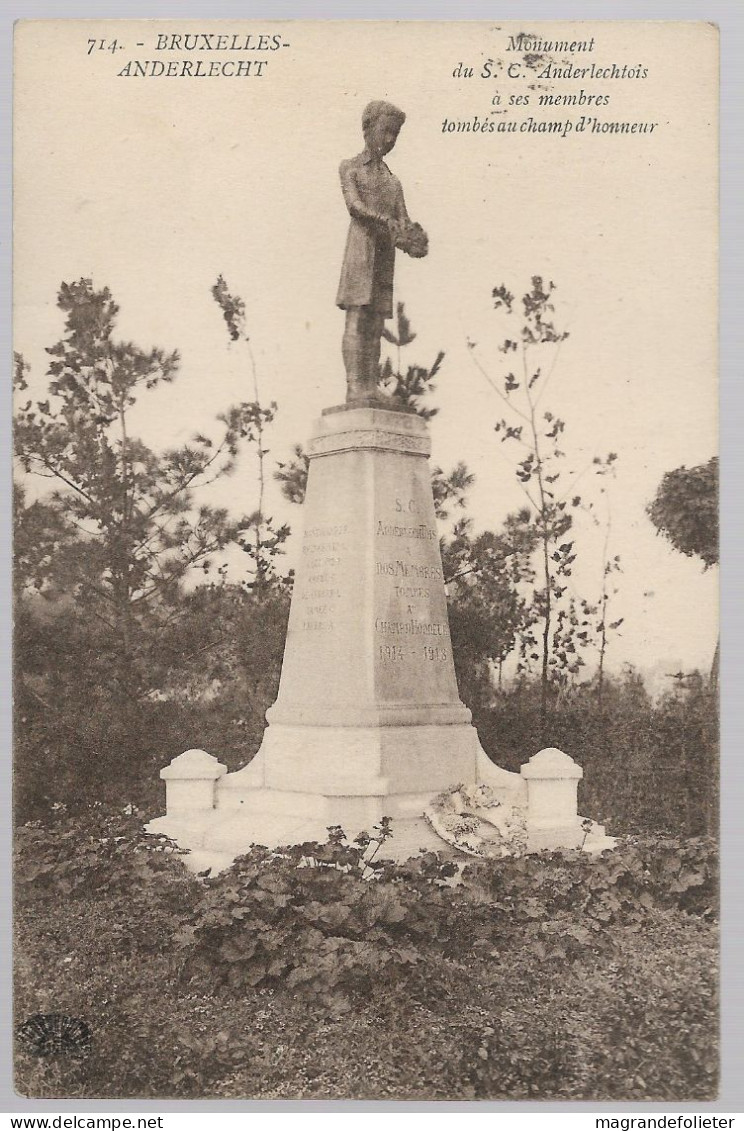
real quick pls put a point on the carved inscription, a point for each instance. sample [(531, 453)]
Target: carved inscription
[(406, 506), (410, 628), (415, 638), (400, 568), (393, 530), (321, 591), (326, 531)]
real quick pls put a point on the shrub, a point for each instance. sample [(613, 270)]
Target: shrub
[(212, 677), (548, 975)]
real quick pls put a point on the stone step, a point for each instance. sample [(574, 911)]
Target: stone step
[(268, 801), (215, 839), (351, 806)]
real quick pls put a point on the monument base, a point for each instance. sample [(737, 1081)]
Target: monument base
[(251, 807), (362, 761), (222, 816), (215, 840)]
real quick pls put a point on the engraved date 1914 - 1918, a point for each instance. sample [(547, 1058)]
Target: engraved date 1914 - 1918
[(394, 652)]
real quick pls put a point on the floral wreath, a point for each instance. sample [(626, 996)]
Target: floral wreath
[(472, 819)]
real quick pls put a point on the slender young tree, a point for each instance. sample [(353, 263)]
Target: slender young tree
[(611, 566), (530, 352), (261, 539)]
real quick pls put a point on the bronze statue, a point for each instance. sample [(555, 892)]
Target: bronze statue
[(379, 224)]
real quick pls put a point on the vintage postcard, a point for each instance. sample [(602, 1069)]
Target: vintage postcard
[(366, 555)]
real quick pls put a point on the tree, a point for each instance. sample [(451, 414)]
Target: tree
[(293, 475), (483, 574), (596, 614), (131, 526), (603, 625), (685, 511), (259, 538), (43, 539), (221, 664), (409, 388), (551, 635)]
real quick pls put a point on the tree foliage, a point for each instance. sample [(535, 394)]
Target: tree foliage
[(557, 626), (138, 526), (484, 573), (409, 388), (685, 510), (261, 538), (292, 475)]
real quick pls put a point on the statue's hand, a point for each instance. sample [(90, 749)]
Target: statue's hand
[(384, 223)]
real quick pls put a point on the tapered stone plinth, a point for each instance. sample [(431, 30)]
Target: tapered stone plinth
[(368, 705), (368, 640)]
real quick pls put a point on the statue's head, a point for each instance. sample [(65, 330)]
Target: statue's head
[(381, 122)]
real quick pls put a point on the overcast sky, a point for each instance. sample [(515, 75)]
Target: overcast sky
[(154, 186)]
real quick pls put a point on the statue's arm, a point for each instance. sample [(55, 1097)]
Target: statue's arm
[(401, 210), (357, 208), (409, 237)]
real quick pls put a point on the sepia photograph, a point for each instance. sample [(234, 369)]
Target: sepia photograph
[(365, 510)]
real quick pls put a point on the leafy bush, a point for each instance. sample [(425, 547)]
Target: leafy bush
[(312, 919), (548, 975), (106, 860), (213, 675), (621, 886), (309, 919), (332, 920)]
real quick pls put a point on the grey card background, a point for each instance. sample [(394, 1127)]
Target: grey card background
[(731, 24)]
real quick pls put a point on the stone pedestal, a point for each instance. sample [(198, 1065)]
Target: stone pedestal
[(190, 782), (552, 779), (368, 712)]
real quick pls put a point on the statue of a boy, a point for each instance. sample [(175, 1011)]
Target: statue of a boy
[(379, 224)]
